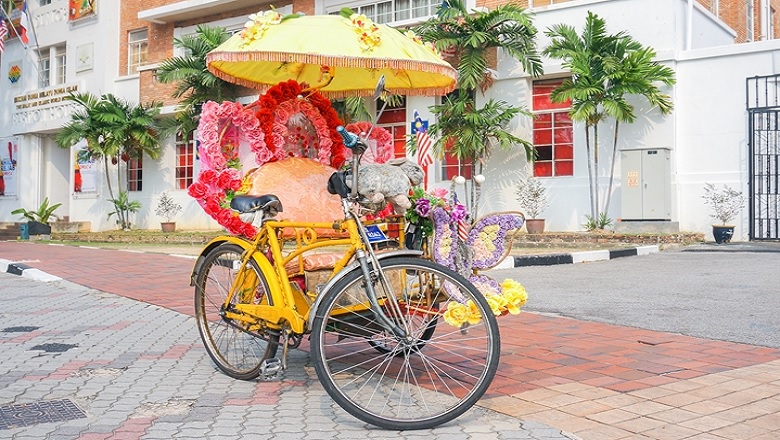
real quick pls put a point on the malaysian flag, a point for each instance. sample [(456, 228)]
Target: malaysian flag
[(3, 33), (424, 145)]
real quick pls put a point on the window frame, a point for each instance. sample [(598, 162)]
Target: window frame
[(52, 66), (135, 168), (184, 174), (137, 50), (561, 152), (44, 68), (401, 12), (394, 121)]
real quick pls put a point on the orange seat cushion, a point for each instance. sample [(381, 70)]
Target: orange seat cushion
[(302, 186)]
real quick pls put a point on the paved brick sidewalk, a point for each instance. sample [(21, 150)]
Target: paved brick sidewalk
[(131, 370), (597, 381)]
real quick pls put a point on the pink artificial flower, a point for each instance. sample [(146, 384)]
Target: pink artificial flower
[(439, 193)]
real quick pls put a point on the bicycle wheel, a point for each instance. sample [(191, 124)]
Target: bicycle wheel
[(237, 347), (412, 383)]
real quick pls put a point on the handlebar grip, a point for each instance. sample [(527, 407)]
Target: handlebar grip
[(350, 140)]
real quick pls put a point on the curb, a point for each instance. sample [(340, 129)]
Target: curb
[(574, 257), (25, 271), (19, 268)]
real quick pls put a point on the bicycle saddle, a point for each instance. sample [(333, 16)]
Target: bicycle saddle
[(269, 203)]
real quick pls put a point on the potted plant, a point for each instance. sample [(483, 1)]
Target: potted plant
[(38, 220), (726, 204), (167, 208), (532, 196)]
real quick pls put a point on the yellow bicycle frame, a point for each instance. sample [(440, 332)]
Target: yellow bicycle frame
[(287, 308)]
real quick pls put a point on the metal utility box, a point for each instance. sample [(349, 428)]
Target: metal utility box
[(646, 188)]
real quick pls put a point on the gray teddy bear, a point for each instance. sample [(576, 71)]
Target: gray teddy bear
[(389, 182)]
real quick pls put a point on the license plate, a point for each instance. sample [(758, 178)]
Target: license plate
[(375, 234)]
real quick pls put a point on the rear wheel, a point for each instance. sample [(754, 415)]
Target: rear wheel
[(238, 347), (414, 382)]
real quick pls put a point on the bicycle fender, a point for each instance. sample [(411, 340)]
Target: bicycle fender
[(273, 314), (347, 270), (211, 245)]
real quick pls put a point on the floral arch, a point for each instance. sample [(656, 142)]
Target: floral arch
[(286, 121)]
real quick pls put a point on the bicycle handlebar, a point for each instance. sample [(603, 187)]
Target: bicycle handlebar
[(350, 140)]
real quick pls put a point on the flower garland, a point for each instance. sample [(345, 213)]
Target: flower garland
[(507, 297), (488, 238), (287, 99), (382, 140), (286, 124), (483, 248), (444, 238)]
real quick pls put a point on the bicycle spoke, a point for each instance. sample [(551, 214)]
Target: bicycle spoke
[(430, 376)]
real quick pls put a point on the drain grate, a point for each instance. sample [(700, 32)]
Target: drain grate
[(16, 416), (54, 348), (20, 329)]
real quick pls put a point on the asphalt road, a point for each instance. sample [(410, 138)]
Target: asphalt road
[(727, 292)]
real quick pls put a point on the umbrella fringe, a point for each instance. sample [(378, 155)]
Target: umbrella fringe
[(336, 61)]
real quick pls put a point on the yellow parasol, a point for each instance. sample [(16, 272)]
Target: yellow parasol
[(336, 55)]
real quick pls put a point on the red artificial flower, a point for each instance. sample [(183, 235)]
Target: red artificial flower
[(197, 190)]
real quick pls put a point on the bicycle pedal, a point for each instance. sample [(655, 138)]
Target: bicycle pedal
[(270, 368)]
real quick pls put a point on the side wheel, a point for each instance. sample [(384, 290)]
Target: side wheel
[(416, 381), (237, 347)]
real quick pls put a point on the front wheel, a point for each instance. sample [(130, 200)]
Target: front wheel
[(422, 379)]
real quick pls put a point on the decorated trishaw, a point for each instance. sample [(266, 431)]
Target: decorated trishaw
[(320, 252)]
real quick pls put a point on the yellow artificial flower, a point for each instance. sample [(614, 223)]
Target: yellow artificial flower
[(474, 316), (368, 33), (497, 303), (258, 24), (515, 295), (456, 314)]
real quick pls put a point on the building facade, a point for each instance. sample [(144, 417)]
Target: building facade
[(707, 138)]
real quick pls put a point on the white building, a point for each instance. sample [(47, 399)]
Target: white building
[(707, 138)]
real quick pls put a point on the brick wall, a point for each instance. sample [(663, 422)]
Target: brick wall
[(731, 12), (161, 40)]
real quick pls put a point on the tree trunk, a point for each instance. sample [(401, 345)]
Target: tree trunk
[(108, 178), (596, 170), (612, 166), (590, 169)]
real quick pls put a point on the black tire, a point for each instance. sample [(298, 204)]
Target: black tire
[(407, 385), (237, 348)]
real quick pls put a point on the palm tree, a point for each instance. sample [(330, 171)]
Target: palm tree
[(461, 128), (115, 131), (473, 36), (606, 69), (195, 84)]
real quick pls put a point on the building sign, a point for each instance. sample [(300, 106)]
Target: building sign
[(78, 9), (44, 97), (9, 151)]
